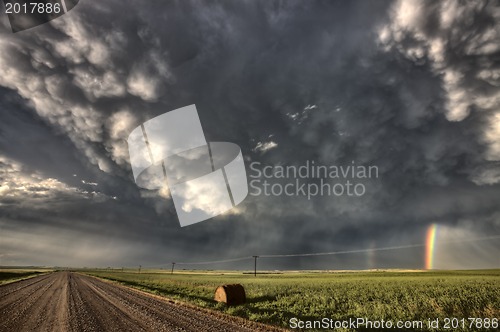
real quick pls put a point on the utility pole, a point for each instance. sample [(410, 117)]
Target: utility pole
[(140, 269), (173, 264), (255, 265)]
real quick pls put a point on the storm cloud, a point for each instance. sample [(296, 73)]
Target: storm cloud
[(412, 88)]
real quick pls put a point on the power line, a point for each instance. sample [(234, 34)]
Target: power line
[(377, 249), (213, 262), (344, 251)]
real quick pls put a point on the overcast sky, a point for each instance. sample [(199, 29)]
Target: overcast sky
[(411, 87)]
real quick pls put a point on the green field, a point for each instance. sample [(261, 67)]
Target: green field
[(11, 275), (390, 295)]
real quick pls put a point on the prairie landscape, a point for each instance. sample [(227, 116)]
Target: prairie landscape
[(275, 298), (347, 151)]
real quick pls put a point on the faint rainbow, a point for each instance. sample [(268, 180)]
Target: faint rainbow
[(430, 246)]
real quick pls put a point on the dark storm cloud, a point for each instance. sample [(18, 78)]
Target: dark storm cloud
[(376, 83)]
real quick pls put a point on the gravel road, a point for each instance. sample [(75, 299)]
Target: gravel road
[(66, 301)]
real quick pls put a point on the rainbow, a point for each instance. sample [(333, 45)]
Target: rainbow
[(430, 246)]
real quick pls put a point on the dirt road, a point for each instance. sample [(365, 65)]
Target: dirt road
[(65, 301)]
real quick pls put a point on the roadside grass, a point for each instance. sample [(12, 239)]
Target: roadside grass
[(276, 298), (11, 275)]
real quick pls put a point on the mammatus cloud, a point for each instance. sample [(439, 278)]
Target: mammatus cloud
[(411, 87), (460, 43), (77, 77)]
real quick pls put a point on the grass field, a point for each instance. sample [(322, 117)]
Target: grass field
[(276, 298), (11, 275)]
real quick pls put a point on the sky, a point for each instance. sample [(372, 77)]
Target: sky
[(412, 88)]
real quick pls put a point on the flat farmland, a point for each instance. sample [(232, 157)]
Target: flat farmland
[(11, 275), (276, 298)]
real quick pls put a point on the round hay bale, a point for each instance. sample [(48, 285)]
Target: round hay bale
[(230, 294)]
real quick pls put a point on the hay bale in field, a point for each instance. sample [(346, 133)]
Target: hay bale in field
[(230, 294)]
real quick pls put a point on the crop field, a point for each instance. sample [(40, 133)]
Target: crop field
[(10, 275), (389, 295)]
